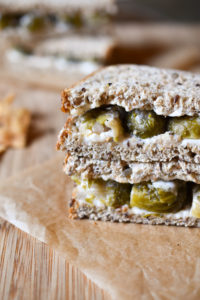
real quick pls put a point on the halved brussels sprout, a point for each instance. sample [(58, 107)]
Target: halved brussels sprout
[(33, 22), (145, 124), (109, 193), (105, 119), (75, 20), (119, 193), (186, 127), (23, 50), (147, 196)]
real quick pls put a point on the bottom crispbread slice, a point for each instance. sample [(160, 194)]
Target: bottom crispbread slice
[(132, 172), (84, 211)]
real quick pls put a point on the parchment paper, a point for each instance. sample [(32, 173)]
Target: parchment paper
[(128, 261)]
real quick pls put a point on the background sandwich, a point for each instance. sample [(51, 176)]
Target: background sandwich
[(24, 21), (133, 131), (50, 42), (53, 61)]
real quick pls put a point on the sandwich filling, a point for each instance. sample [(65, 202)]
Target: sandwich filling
[(36, 22), (113, 123), (21, 55), (146, 198)]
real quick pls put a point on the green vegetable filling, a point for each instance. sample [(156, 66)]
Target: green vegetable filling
[(75, 20), (186, 127), (141, 123), (104, 119), (146, 196), (36, 23), (143, 195), (145, 124), (110, 193), (8, 20)]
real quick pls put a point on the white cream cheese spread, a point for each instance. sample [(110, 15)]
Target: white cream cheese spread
[(48, 62)]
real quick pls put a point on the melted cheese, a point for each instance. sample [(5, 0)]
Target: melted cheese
[(166, 185)]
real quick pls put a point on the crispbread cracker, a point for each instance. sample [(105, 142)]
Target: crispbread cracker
[(132, 172), (77, 211), (167, 92)]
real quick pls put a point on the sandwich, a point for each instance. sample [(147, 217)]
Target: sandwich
[(132, 145), (45, 42), (56, 60), (25, 21)]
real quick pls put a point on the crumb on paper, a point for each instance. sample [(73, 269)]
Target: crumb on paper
[(14, 124)]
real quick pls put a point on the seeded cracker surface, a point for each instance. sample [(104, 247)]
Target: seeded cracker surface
[(131, 86), (133, 172)]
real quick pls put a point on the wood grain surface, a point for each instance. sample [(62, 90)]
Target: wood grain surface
[(30, 269)]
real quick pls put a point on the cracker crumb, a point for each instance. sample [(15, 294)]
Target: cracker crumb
[(14, 124)]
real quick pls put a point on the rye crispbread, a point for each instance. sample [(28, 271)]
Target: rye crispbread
[(77, 211), (132, 172), (76, 47), (167, 92)]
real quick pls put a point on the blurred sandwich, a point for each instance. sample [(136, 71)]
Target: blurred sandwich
[(132, 145), (25, 21), (55, 61), (51, 42)]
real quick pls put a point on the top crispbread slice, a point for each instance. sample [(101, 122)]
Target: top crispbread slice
[(167, 92), (60, 6), (76, 47)]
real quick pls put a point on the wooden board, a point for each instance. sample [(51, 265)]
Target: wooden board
[(29, 269)]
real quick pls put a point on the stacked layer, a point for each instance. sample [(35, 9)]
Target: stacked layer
[(48, 41), (132, 145)]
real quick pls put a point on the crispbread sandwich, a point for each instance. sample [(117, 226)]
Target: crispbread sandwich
[(132, 145), (54, 61), (24, 21)]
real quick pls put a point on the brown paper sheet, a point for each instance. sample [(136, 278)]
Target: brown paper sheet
[(129, 261)]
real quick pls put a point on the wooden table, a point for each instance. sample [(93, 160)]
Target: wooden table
[(30, 269)]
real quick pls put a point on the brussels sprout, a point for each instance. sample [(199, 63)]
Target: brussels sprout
[(119, 193), (98, 19), (145, 124), (23, 50), (105, 119), (186, 127), (148, 197), (109, 193), (75, 20), (33, 22), (7, 20)]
